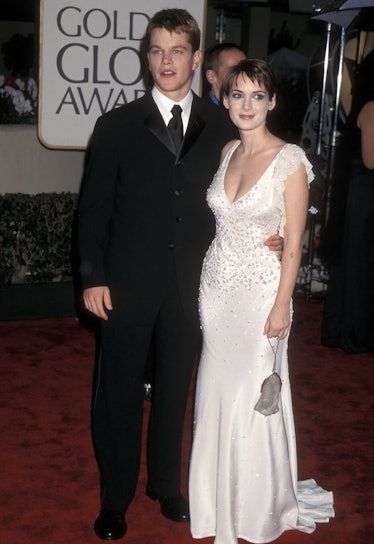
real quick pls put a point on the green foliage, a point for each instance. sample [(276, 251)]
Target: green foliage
[(36, 237)]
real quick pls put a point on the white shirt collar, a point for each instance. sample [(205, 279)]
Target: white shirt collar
[(165, 104)]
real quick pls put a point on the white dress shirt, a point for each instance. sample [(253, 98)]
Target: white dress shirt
[(165, 104)]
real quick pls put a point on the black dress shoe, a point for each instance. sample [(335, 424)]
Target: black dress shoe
[(110, 524), (174, 508)]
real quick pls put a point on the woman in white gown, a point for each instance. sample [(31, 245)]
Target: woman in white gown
[(243, 472)]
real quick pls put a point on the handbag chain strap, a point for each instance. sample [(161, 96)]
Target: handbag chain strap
[(275, 351)]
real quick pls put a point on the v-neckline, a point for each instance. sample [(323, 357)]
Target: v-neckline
[(228, 157)]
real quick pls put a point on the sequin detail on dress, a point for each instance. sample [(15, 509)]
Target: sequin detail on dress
[(237, 257)]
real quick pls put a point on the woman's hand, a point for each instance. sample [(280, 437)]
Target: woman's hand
[(278, 322)]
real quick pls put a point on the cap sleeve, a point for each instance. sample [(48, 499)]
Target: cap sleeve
[(289, 160)]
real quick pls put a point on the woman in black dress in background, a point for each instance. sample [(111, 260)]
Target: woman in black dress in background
[(348, 320)]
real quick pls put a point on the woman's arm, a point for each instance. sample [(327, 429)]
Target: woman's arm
[(296, 196), (365, 122)]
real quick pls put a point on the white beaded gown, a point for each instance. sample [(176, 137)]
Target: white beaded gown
[(243, 470)]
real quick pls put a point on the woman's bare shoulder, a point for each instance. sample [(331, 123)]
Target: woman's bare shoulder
[(226, 148)]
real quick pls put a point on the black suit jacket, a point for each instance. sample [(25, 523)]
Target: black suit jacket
[(142, 213)]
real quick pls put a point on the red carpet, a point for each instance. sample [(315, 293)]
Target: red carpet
[(49, 481)]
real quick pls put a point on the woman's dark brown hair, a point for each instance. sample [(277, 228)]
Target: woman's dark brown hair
[(256, 70)]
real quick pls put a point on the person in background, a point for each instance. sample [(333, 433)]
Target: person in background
[(143, 229), (243, 471), (348, 244), (217, 60)]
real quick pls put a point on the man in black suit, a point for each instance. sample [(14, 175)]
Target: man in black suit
[(144, 227)]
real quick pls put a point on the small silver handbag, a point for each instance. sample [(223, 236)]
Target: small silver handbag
[(268, 403)]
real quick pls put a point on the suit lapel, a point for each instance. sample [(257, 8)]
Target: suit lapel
[(195, 126), (155, 123)]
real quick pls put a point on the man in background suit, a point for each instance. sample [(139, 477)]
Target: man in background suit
[(217, 60), (144, 227)]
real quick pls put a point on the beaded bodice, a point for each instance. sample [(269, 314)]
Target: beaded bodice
[(237, 256)]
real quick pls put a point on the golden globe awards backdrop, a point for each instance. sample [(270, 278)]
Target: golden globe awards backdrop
[(90, 62)]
